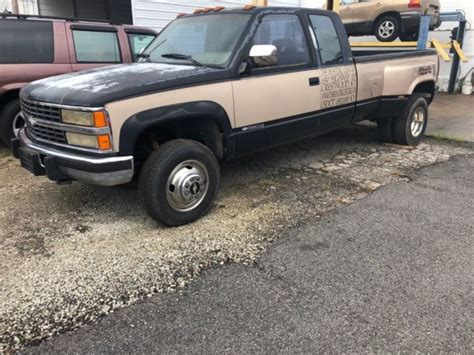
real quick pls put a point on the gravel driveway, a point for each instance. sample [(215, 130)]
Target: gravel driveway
[(71, 254)]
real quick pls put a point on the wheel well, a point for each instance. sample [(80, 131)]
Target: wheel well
[(9, 96), (202, 129), (393, 13), (428, 88)]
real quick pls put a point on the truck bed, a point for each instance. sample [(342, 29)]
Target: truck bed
[(372, 55)]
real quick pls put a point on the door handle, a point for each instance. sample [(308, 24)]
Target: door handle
[(314, 81)]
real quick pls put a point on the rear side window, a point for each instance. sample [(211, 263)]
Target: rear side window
[(138, 42), (328, 41), (286, 33), (26, 42), (96, 47)]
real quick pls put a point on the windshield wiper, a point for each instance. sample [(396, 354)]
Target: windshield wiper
[(145, 56), (183, 57)]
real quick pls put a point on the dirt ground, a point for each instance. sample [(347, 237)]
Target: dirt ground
[(71, 254)]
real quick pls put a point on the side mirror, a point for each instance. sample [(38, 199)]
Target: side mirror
[(264, 55)]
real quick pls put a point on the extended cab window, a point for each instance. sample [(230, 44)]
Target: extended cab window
[(139, 42), (286, 33), (96, 47), (209, 40), (328, 44), (26, 41)]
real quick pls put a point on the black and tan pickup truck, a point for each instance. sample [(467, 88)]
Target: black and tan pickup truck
[(214, 85)]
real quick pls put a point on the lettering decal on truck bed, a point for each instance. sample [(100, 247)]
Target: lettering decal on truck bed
[(338, 86), (427, 69)]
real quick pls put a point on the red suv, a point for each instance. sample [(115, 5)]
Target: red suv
[(33, 48)]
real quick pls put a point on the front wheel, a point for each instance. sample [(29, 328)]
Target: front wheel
[(11, 121), (410, 127), (179, 182)]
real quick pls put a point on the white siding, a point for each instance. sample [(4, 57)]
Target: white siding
[(29, 7), (158, 13)]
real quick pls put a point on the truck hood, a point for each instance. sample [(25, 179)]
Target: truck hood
[(97, 87)]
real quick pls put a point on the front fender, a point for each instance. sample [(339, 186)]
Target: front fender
[(137, 124)]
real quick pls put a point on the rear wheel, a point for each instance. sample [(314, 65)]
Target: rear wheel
[(387, 29), (410, 127), (179, 182), (11, 121)]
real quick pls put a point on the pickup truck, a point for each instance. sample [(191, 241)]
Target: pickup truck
[(214, 85), (34, 47)]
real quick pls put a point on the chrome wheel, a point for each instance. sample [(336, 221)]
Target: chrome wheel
[(386, 29), (18, 123), (418, 122), (187, 186)]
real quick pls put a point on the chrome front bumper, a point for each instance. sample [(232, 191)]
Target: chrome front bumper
[(64, 166)]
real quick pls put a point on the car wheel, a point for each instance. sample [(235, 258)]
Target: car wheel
[(407, 37), (384, 129), (387, 29), (179, 182), (410, 127), (11, 121)]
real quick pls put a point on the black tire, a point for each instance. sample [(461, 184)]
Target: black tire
[(395, 22), (154, 178), (384, 129), (408, 37), (402, 126), (7, 118)]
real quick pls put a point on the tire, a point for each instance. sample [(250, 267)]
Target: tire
[(408, 37), (10, 117), (384, 129), (387, 29), (410, 127), (176, 168)]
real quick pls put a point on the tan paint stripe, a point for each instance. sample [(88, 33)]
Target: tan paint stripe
[(120, 111)]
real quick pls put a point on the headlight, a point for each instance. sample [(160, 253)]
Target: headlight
[(84, 118), (101, 142)]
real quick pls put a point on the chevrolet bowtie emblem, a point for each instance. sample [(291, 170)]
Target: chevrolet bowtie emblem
[(32, 121)]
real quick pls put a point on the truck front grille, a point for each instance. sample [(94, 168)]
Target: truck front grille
[(48, 134), (42, 111), (36, 111)]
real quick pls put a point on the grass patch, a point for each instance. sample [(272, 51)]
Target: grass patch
[(443, 137)]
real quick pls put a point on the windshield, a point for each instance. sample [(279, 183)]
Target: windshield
[(207, 40)]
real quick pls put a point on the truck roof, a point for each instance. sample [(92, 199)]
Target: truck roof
[(254, 10), (20, 17)]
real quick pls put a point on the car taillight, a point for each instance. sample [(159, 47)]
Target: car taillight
[(414, 3)]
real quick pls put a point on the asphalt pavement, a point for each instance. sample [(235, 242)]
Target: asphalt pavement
[(391, 272)]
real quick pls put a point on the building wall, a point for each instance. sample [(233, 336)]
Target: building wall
[(29, 7), (158, 13)]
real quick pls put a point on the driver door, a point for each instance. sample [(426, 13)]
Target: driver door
[(271, 96)]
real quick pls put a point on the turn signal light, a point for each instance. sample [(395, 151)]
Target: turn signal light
[(249, 7), (219, 8), (99, 119), (414, 4), (103, 142), (198, 11)]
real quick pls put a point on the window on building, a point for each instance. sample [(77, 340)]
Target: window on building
[(286, 33), (96, 47), (139, 42), (26, 42), (328, 41)]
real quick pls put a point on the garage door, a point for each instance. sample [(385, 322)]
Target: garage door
[(112, 10)]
